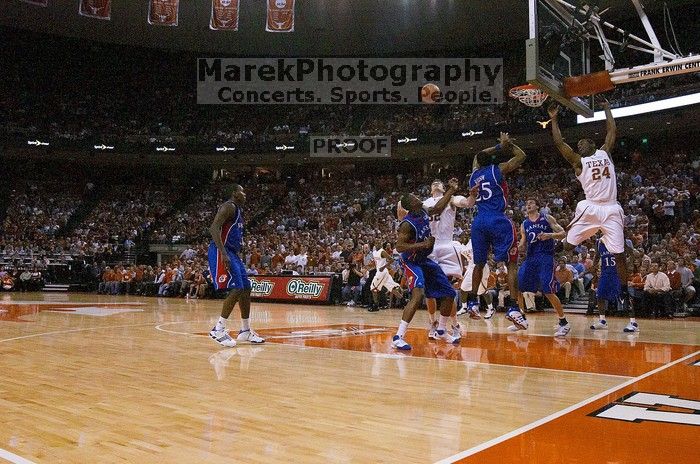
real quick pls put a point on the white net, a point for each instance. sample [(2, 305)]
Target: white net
[(529, 95)]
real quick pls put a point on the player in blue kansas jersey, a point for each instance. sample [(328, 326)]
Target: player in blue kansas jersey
[(228, 271), (609, 288), (423, 275), (536, 273), (491, 228)]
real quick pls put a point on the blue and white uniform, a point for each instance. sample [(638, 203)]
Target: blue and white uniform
[(536, 273), (491, 227), (235, 278), (420, 271)]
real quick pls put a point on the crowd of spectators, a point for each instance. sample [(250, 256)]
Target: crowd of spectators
[(328, 224)]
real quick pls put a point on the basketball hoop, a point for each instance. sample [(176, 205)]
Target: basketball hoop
[(529, 94)]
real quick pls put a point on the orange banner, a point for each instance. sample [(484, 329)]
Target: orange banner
[(280, 16), (163, 12), (100, 9), (224, 15)]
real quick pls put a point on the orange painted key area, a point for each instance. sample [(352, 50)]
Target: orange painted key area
[(630, 425), (630, 358)]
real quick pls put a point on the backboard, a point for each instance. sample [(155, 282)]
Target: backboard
[(557, 48)]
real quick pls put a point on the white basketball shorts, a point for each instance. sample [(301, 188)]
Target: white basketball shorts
[(447, 257), (383, 280), (591, 217)]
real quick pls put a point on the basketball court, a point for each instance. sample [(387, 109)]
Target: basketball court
[(133, 379), (130, 379)]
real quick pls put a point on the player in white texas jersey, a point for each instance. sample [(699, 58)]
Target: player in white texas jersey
[(445, 253), (600, 211), (382, 279)]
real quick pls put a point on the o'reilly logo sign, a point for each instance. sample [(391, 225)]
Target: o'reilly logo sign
[(333, 146)]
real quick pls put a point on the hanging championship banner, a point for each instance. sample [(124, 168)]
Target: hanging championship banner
[(280, 16), (100, 9), (224, 15), (163, 12), (37, 2)]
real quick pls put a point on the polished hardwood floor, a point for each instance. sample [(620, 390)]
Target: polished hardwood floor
[(88, 378)]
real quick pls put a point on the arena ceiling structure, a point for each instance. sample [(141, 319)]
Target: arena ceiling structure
[(323, 27)]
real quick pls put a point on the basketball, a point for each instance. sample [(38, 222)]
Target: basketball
[(430, 93)]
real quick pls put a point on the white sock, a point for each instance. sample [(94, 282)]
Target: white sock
[(453, 321), (490, 306), (602, 317), (220, 324), (633, 320), (442, 321), (245, 324), (403, 327), (464, 305)]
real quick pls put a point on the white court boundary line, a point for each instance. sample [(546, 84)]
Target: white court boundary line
[(556, 415), (51, 303), (12, 457)]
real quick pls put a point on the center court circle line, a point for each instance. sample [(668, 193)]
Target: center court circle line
[(189, 334), (59, 332)]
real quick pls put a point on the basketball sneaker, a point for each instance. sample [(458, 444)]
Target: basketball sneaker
[(432, 331), (222, 338), (600, 325), (489, 313), (517, 318), (474, 312), (399, 343), (443, 335), (563, 330), (631, 327), (457, 331), (462, 310), (249, 336)]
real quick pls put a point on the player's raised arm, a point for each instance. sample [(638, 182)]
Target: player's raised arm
[(518, 155), (491, 152), (440, 206), (559, 232), (466, 202), (404, 239), (611, 128), (225, 212), (566, 151)]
